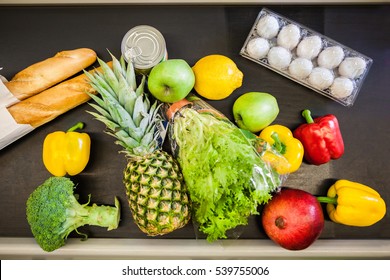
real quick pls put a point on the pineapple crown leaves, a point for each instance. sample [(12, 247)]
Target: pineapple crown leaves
[(124, 107)]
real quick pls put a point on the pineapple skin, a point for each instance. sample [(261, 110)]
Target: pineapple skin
[(157, 193), (155, 187)]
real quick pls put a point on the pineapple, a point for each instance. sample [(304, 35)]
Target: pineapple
[(155, 187)]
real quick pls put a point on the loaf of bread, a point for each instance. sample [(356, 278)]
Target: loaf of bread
[(49, 104), (43, 75)]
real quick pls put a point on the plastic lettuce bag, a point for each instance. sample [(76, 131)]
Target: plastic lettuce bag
[(226, 177)]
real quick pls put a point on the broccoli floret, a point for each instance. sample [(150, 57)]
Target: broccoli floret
[(53, 212)]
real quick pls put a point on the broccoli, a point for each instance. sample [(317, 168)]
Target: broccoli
[(53, 212)]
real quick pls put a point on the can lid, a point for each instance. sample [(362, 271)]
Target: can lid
[(144, 45)]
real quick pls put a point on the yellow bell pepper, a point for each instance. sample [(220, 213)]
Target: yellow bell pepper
[(282, 140), (354, 204), (66, 152)]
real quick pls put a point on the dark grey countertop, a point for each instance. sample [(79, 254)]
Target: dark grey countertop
[(33, 33)]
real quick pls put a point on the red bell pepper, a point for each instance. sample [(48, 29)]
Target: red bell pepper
[(321, 138)]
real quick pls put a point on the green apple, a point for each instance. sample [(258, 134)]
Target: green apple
[(171, 80), (254, 111)]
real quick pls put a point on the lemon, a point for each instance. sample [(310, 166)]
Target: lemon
[(216, 76)]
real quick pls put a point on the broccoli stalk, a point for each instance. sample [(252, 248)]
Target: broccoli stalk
[(53, 212)]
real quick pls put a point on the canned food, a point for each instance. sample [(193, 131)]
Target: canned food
[(145, 46)]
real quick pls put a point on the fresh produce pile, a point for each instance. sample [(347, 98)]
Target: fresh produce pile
[(217, 172)]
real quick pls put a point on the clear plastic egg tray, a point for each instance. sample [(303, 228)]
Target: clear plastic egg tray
[(306, 57)]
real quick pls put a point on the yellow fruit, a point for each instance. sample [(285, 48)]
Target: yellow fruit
[(216, 77)]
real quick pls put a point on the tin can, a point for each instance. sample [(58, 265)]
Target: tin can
[(145, 46)]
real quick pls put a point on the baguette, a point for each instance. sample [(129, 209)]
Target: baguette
[(49, 104), (42, 75)]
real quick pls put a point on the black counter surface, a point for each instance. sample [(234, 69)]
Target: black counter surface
[(32, 33)]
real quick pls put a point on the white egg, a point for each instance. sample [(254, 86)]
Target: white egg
[(279, 57), (342, 87), (309, 47), (268, 27), (331, 57), (352, 67), (257, 47), (321, 78), (300, 68), (289, 36)]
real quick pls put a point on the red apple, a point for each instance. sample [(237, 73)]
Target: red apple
[(293, 218)]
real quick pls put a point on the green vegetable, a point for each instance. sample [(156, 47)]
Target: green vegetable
[(53, 212), (225, 176)]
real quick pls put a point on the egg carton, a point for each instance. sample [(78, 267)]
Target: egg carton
[(306, 57)]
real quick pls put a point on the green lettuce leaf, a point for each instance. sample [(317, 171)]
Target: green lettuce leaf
[(226, 178)]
